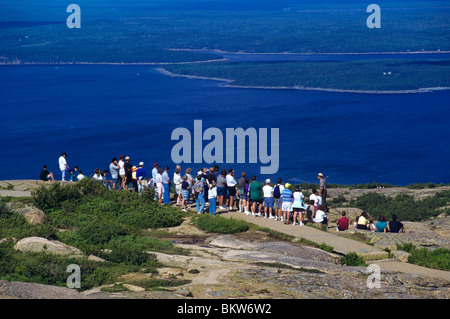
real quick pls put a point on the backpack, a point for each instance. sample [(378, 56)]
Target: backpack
[(276, 192), (198, 186)]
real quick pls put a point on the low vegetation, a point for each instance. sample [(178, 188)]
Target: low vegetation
[(218, 224), (437, 258), (99, 222), (373, 75), (403, 205)]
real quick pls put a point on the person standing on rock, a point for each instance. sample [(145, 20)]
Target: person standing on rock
[(114, 169), (63, 166), (166, 184), (256, 198), (323, 188), (128, 173), (286, 208), (268, 199), (278, 200)]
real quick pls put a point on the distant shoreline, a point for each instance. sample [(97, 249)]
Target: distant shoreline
[(111, 63), (301, 88), (311, 53)]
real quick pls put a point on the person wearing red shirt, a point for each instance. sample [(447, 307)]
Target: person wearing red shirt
[(342, 223)]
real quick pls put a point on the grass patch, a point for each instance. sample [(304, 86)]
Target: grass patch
[(436, 258), (158, 284), (219, 224)]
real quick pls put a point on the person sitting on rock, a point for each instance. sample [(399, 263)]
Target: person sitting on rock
[(381, 225), (321, 217), (364, 222), (396, 226), (342, 223), (46, 175)]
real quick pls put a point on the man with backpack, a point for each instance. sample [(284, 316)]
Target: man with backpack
[(199, 192), (278, 200)]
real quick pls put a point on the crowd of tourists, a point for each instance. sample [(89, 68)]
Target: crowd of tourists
[(222, 190)]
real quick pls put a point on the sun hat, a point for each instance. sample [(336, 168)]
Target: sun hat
[(320, 174), (287, 185)]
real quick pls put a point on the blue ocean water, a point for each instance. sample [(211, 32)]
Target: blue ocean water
[(96, 112)]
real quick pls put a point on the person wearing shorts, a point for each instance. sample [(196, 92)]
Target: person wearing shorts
[(231, 186), (268, 199), (256, 198), (222, 189), (286, 207), (184, 192), (278, 200)]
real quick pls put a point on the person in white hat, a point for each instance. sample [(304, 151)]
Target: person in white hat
[(268, 199), (141, 177)]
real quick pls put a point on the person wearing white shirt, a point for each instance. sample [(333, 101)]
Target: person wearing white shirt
[(315, 198), (122, 171), (63, 165), (80, 175), (268, 199), (177, 181), (159, 184), (321, 217), (212, 198), (231, 185), (298, 205)]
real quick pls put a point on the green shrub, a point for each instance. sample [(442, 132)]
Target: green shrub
[(96, 233), (15, 225), (129, 256), (352, 259), (218, 224), (74, 204), (48, 269), (327, 248)]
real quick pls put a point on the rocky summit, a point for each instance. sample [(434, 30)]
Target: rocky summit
[(258, 265)]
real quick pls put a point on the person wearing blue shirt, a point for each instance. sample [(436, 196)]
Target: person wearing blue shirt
[(286, 207), (141, 177), (166, 185)]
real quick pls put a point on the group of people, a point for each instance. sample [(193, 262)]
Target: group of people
[(221, 189), (366, 222)]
